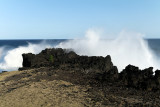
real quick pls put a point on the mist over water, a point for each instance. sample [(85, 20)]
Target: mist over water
[(127, 48)]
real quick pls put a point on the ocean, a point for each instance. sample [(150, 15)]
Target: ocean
[(11, 50)]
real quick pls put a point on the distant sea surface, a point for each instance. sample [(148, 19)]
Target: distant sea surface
[(17, 43)]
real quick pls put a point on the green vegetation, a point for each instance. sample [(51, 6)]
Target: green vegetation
[(51, 58)]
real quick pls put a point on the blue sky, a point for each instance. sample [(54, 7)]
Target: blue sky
[(63, 19)]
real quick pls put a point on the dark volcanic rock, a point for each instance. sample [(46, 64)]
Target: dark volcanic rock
[(157, 78), (132, 76), (58, 57), (27, 59), (96, 69), (112, 75)]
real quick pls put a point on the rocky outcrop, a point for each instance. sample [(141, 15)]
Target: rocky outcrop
[(98, 70), (132, 76), (59, 57)]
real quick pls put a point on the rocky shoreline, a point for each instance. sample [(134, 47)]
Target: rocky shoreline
[(78, 81)]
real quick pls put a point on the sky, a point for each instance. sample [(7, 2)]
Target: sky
[(67, 19)]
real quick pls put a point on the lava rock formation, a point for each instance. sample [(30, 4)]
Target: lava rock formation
[(99, 68)]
